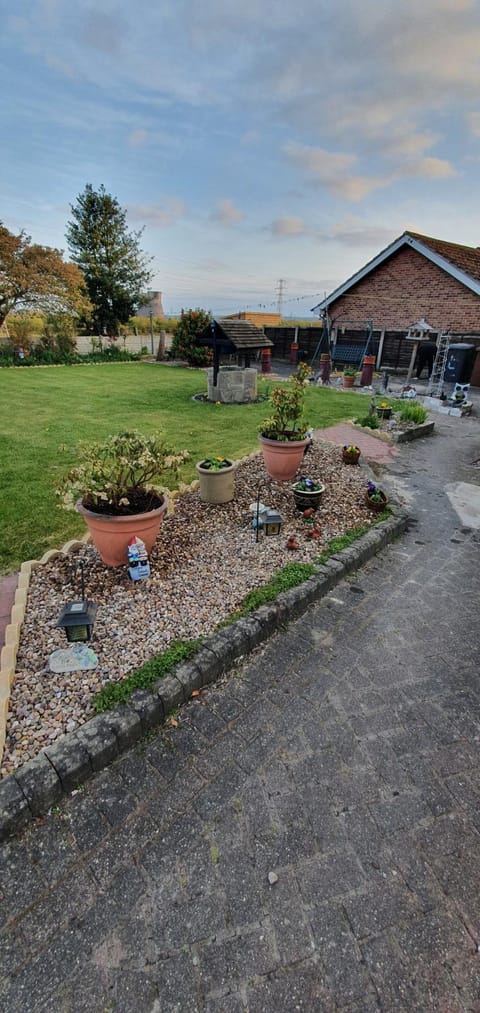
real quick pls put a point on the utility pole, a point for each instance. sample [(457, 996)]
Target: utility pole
[(280, 290)]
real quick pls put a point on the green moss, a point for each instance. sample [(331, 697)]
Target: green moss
[(145, 676)]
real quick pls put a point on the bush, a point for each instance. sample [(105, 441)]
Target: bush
[(368, 422), (188, 329), (413, 413)]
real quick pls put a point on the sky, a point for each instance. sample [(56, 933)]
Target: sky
[(253, 141)]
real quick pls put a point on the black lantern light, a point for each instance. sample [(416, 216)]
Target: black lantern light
[(78, 617), (272, 522)]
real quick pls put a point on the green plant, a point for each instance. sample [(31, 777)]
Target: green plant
[(289, 576), (287, 423), (184, 344), (351, 448), (341, 542), (348, 371), (375, 494), (413, 413), (368, 422), (121, 475), (307, 485), (146, 675), (215, 463)]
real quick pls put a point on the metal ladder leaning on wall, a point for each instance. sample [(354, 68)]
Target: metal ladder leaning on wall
[(435, 384)]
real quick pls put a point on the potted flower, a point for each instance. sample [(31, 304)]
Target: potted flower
[(307, 493), (216, 479), (350, 453), (349, 375), (284, 436), (384, 410), (116, 487), (376, 498)]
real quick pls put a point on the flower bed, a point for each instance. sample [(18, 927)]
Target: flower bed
[(204, 562)]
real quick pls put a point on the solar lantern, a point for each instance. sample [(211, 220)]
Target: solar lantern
[(272, 522), (77, 618)]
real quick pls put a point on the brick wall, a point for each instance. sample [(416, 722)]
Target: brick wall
[(406, 288)]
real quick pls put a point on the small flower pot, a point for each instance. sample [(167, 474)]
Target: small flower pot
[(348, 381), (306, 499), (350, 456), (376, 505), (384, 413)]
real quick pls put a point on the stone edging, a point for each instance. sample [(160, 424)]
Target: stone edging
[(400, 436), (58, 769)]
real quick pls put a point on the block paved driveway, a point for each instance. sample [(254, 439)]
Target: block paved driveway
[(343, 758)]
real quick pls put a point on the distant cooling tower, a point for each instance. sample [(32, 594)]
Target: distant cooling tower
[(153, 306)]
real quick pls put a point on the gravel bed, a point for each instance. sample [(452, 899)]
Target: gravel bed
[(204, 562)]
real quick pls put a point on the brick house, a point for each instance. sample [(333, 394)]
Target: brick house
[(415, 277)]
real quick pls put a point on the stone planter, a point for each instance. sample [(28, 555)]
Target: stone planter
[(384, 413), (111, 534), (216, 486)]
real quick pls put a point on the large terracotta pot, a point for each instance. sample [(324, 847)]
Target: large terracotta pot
[(216, 486), (111, 534), (282, 459)]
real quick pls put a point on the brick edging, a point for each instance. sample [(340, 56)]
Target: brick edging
[(39, 784)]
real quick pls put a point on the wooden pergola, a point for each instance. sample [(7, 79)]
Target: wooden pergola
[(233, 337)]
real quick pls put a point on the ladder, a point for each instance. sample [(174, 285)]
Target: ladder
[(435, 384)]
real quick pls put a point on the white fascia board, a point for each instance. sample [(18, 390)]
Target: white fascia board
[(405, 240)]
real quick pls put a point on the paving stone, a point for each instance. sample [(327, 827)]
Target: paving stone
[(237, 959)]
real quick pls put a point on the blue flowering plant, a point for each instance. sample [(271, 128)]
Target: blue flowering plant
[(305, 484), (375, 494)]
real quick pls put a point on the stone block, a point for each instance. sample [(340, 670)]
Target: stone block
[(170, 691), (39, 783), (190, 677), (14, 810), (267, 616), (125, 724), (99, 740), (71, 761), (209, 665), (149, 708)]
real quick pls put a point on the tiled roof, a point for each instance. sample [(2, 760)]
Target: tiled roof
[(466, 258), (241, 333)]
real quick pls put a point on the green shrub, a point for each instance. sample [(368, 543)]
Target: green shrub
[(368, 422), (188, 329), (413, 413)]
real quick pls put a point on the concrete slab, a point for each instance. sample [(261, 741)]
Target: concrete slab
[(465, 499)]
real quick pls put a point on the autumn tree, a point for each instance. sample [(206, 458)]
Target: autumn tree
[(33, 276), (115, 269)]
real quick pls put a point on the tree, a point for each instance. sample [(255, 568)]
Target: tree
[(188, 329), (37, 276), (115, 270)]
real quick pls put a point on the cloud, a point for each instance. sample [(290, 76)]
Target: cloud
[(137, 138), (105, 32), (289, 226), (473, 123), (330, 169), (158, 215), (226, 213)]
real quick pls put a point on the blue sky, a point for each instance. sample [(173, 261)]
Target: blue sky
[(254, 141)]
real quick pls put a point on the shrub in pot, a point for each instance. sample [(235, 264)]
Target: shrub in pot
[(284, 436), (117, 487)]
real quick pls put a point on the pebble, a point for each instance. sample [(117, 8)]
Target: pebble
[(204, 562)]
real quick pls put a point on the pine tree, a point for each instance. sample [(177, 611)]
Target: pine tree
[(115, 269)]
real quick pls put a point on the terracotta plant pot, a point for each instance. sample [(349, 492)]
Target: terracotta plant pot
[(348, 381), (350, 456), (375, 505), (111, 535), (282, 459), (216, 486), (306, 499)]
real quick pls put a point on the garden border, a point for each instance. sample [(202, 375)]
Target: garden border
[(35, 787)]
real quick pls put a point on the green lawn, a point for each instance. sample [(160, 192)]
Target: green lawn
[(45, 412)]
